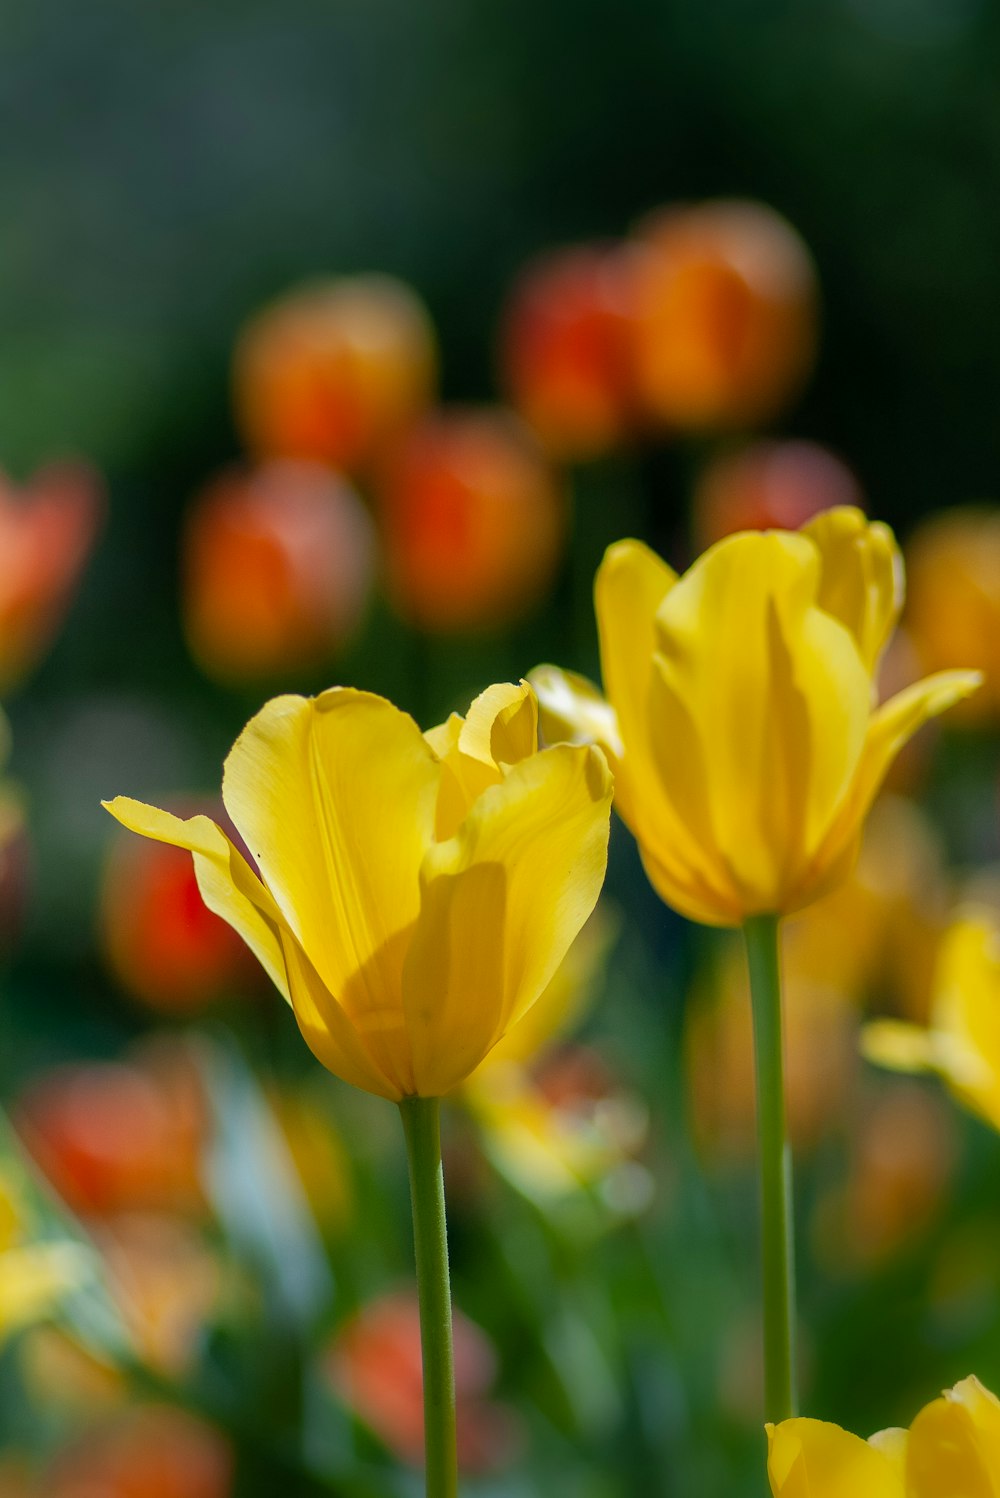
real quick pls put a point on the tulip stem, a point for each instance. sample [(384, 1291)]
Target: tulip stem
[(776, 1221), (422, 1127)]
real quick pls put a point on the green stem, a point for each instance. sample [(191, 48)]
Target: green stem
[(776, 1225), (421, 1125)]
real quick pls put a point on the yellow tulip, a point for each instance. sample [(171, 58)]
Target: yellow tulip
[(413, 893), (962, 1042), (34, 1275), (952, 1450), (740, 714)]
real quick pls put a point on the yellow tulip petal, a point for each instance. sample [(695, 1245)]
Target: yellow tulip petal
[(335, 796), (954, 1446), (572, 711), (35, 1277), (758, 711), (501, 726), (332, 1038), (898, 1046), (486, 944), (813, 1459), (861, 579), (228, 885)]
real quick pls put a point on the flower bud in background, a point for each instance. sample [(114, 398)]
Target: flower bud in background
[(724, 315), (150, 1451), (333, 369), (47, 529), (564, 351), (473, 521), (277, 568), (375, 1366), (962, 1040), (769, 485), (163, 944), (951, 1450), (113, 1135), (953, 609)]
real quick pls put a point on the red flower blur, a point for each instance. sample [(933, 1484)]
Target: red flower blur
[(473, 522), (114, 1135), (375, 1366), (163, 944), (333, 369), (277, 568), (724, 303), (769, 485), (47, 529), (565, 351)]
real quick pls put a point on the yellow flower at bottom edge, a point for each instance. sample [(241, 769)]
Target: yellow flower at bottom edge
[(739, 715), (413, 893), (952, 1450), (962, 1043)]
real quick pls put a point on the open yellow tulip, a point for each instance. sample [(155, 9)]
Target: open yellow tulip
[(952, 1450), (962, 1043), (413, 893), (740, 714)]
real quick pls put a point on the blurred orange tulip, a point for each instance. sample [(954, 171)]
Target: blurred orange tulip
[(565, 354), (376, 1368), (112, 1135), (724, 300), (151, 1451), (277, 568), (767, 485), (164, 945), (333, 369), (47, 529), (953, 599), (473, 520)]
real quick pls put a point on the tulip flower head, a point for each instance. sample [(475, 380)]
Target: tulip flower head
[(740, 714), (962, 1042), (952, 1450), (413, 893)]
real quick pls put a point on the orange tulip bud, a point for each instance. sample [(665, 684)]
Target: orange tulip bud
[(333, 369), (953, 608), (164, 945), (151, 1451), (724, 315), (770, 485), (46, 532), (277, 569), (473, 522), (115, 1135), (565, 351)]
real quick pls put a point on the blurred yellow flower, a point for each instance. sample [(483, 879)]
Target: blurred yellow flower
[(962, 1042), (34, 1276), (416, 892), (740, 714), (952, 1450)]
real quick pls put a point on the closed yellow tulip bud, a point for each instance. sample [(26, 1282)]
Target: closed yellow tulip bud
[(740, 711), (952, 1450), (413, 893), (962, 1042)]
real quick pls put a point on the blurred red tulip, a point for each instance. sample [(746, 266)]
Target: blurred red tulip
[(767, 485), (332, 369), (152, 1451), (164, 945), (473, 521), (724, 299), (376, 1368), (113, 1135), (277, 568), (46, 531), (565, 351)]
